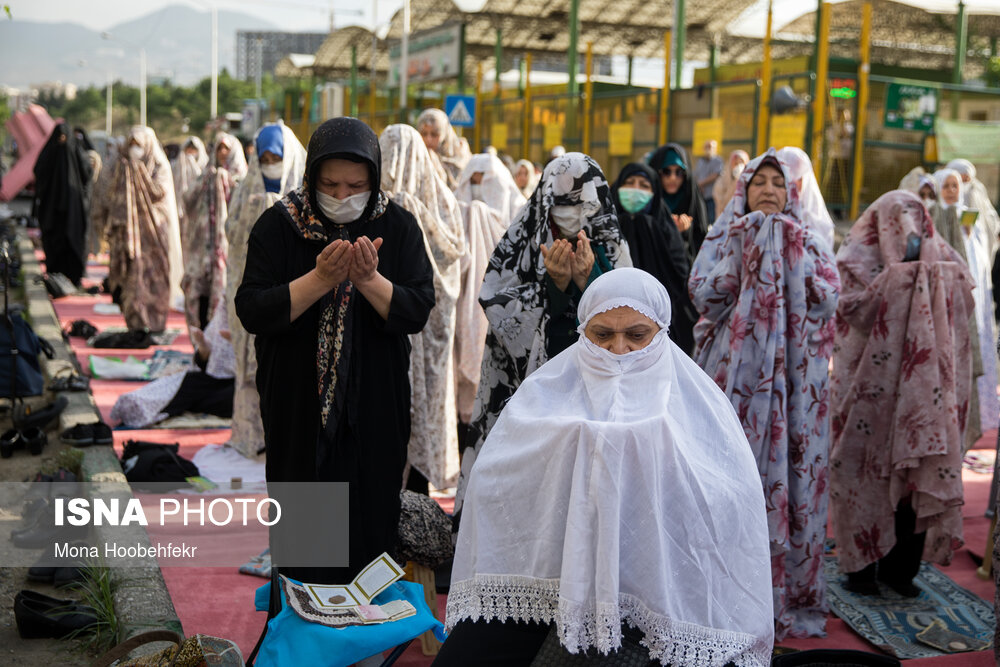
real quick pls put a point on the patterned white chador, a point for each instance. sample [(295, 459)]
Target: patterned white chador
[(410, 179)]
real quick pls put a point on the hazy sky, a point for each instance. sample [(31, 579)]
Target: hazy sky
[(314, 15), (290, 15)]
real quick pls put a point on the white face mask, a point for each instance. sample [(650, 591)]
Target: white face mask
[(477, 191), (135, 152), (343, 211), (272, 171), (569, 219)]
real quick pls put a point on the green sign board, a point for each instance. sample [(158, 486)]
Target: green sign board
[(909, 107)]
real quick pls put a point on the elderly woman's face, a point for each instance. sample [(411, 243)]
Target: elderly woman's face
[(949, 190), (766, 191), (431, 135), (639, 182), (521, 178), (621, 330), (342, 178)]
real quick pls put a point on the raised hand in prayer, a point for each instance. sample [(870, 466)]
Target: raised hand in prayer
[(559, 262), (365, 261), (333, 264), (683, 222), (583, 260)]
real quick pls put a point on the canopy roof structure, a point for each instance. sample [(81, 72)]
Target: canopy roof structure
[(295, 66), (902, 34)]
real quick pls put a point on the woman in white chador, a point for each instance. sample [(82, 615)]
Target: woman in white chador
[(489, 200), (616, 489)]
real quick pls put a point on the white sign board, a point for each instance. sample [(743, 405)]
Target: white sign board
[(434, 55)]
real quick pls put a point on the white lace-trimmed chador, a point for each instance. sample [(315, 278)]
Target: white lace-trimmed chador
[(620, 488)]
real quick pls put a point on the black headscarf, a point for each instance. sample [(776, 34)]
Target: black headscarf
[(687, 199), (346, 139), (657, 248), (84, 140), (62, 189)]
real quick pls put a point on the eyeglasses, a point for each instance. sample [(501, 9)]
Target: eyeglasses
[(672, 171)]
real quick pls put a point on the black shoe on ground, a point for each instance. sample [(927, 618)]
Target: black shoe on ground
[(40, 616), (905, 588)]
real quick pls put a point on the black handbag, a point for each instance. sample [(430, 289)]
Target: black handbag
[(19, 350)]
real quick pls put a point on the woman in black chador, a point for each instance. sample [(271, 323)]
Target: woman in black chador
[(336, 278), (62, 187)]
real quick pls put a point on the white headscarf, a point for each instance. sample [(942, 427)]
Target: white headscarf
[(812, 209), (497, 189), (941, 176), (620, 488), (453, 151), (236, 161), (533, 176)]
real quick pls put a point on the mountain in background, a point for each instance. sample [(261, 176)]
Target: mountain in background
[(177, 39)]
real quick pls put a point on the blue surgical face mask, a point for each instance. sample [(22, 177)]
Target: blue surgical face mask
[(633, 199)]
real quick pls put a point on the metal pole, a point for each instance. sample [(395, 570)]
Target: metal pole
[(498, 58), (665, 93), (526, 130), (461, 59), (680, 36), (629, 82), (572, 89), (763, 116), (404, 59), (354, 81), (862, 121), (214, 103), (142, 87), (819, 98), (476, 140), (713, 72), (107, 113), (588, 97), (961, 45), (260, 66), (371, 76)]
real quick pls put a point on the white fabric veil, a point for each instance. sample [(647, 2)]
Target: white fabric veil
[(497, 189), (812, 207), (620, 488)]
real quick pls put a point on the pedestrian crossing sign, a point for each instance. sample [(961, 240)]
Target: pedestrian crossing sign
[(461, 110)]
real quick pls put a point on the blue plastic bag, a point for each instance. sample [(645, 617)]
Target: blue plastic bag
[(291, 640)]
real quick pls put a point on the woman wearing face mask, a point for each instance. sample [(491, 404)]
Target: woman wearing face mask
[(207, 206), (683, 199), (411, 181), (612, 466), (563, 239), (489, 200), (275, 169), (766, 286), (655, 244), (724, 186), (450, 151), (62, 190), (336, 279), (139, 215)]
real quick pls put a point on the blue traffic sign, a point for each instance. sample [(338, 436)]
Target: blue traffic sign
[(461, 110)]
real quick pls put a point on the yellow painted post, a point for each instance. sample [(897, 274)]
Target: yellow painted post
[(862, 121), (822, 71), (288, 108), (588, 98), (665, 93), (476, 139), (763, 118), (526, 129)]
